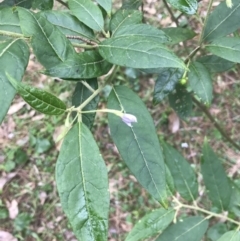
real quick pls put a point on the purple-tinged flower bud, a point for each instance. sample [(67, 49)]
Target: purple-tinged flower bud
[(128, 119)]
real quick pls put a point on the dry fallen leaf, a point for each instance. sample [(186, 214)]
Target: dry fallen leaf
[(12, 208), (5, 178), (174, 122), (5, 236), (16, 107)]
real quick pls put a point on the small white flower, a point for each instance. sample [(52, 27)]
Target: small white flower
[(229, 3), (128, 119)]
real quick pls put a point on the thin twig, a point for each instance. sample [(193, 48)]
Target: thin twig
[(83, 39), (175, 20), (87, 86), (215, 123), (63, 3)]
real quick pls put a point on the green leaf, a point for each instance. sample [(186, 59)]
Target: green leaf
[(88, 13), (106, 5), (123, 18), (183, 175), (131, 4), (216, 231), (170, 182), (222, 21), (39, 99), (19, 3), (226, 48), (14, 56), (138, 53), (9, 21), (50, 46), (165, 83), (234, 207), (230, 236), (178, 34), (138, 145), (215, 64), (80, 94), (215, 178), (200, 82), (181, 101), (68, 24), (185, 6), (151, 224), (82, 183), (190, 228), (86, 65), (142, 31), (43, 4)]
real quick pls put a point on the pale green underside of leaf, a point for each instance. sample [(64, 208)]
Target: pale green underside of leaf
[(215, 179), (86, 65), (143, 31), (39, 99), (81, 93), (190, 228), (199, 79), (138, 53), (178, 34), (185, 6), (124, 17), (138, 145), (183, 175), (222, 21), (215, 64), (230, 236), (9, 21), (88, 13), (14, 55), (68, 24), (106, 5), (151, 224), (165, 83), (227, 48), (82, 183), (50, 46)]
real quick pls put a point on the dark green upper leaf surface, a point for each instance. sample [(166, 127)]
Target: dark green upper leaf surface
[(9, 21), (222, 21), (215, 178), (234, 207), (170, 182), (143, 31), (215, 64), (88, 13), (50, 46), (178, 34), (86, 65), (216, 231), (19, 3), (227, 48), (82, 183), (14, 56), (68, 24), (106, 5), (165, 83), (124, 17), (199, 79), (151, 224), (183, 175), (81, 93), (138, 53), (138, 145), (230, 236), (181, 101), (131, 4), (190, 228), (39, 99), (43, 4), (185, 6)]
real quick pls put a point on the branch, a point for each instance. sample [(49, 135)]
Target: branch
[(63, 3), (175, 20), (83, 39), (215, 123)]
